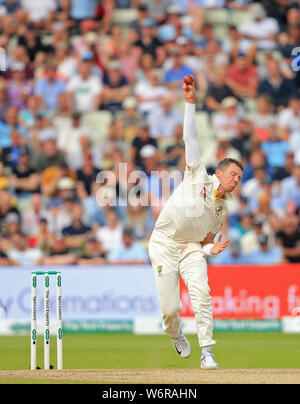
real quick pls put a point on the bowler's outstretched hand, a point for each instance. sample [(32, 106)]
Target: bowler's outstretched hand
[(219, 246)]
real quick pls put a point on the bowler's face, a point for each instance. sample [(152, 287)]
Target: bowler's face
[(229, 177)]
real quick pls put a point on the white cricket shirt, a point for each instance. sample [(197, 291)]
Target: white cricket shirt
[(193, 210)]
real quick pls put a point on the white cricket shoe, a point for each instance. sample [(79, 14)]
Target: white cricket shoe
[(208, 360), (182, 345)]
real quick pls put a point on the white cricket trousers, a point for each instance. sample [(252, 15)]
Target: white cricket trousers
[(193, 270)]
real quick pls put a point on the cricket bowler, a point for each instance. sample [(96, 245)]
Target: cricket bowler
[(184, 236)]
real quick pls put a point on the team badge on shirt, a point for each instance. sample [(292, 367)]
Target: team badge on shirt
[(218, 211), (159, 269)]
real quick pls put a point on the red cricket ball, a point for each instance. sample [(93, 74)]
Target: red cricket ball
[(188, 79)]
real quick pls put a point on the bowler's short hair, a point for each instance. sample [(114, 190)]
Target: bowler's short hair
[(227, 161)]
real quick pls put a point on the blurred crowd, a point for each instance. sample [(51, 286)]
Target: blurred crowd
[(89, 85)]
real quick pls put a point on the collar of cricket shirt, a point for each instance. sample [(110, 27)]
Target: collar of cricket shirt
[(216, 184)]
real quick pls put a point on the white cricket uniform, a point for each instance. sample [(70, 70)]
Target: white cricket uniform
[(190, 213)]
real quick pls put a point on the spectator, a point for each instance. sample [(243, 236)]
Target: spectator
[(130, 117), (254, 186), (8, 125), (274, 148), (114, 145), (77, 232), (59, 37), (288, 238), (95, 213), (12, 225), (200, 65), (92, 253), (257, 160), (218, 90), (194, 10), (290, 189), (220, 149), (82, 11), (242, 140), (129, 60), (156, 185), (62, 116), (174, 76), (228, 119), (24, 178), (28, 115), (50, 163), (148, 41), (85, 89), (111, 234), (244, 224), (292, 15), (50, 155), (81, 44), (59, 253), (175, 152), (22, 254), (264, 210), (140, 219), (44, 237), (209, 44), (4, 104), (31, 41), (145, 65), (264, 115), (7, 205), (59, 213), (292, 39), (279, 88), (10, 155), (157, 10), (115, 88), (235, 45), (264, 254), (87, 174), (289, 119), (66, 61), (249, 240), (18, 56), (128, 252), (286, 170), (40, 13), (69, 141), (135, 26), (139, 142), (242, 77), (19, 88), (49, 88), (149, 93), (4, 260), (33, 215), (261, 29), (164, 119)]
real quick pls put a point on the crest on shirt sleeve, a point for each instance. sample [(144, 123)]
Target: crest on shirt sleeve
[(203, 193)]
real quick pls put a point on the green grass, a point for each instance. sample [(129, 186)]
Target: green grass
[(123, 351)]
